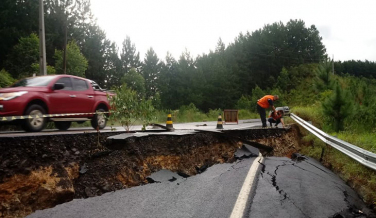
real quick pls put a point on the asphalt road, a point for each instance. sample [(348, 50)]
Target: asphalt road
[(211, 125), (210, 194), (288, 188), (285, 188), (281, 188)]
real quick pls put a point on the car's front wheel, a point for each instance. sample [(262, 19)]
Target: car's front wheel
[(63, 125), (37, 122), (100, 119)]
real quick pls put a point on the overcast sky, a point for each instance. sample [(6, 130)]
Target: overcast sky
[(348, 28)]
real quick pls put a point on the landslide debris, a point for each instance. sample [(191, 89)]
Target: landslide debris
[(40, 172)]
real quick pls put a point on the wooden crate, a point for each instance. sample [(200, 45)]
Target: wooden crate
[(231, 116)]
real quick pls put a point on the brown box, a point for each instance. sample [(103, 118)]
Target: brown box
[(231, 116)]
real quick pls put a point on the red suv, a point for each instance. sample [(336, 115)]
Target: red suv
[(55, 94)]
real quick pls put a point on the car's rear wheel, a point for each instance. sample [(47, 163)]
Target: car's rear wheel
[(63, 125), (37, 122), (100, 119)]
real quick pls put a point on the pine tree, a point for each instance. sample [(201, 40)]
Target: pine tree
[(150, 71), (129, 57), (324, 79), (337, 108)]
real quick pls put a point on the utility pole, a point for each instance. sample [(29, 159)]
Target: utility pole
[(65, 47), (67, 10), (42, 41)]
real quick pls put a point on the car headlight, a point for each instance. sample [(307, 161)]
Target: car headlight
[(11, 95)]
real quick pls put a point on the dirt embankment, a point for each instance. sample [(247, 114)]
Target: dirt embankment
[(43, 171)]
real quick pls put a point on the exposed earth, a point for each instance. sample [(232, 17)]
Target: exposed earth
[(42, 171)]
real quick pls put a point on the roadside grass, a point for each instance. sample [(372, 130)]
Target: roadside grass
[(194, 115), (247, 114), (312, 114), (364, 140), (359, 177)]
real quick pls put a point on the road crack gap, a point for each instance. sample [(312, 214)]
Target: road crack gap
[(281, 191)]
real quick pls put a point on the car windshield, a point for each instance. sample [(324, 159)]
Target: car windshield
[(34, 81)]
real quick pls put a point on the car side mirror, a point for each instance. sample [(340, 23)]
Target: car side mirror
[(58, 86)]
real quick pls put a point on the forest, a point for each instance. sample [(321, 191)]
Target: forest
[(285, 59), (214, 80)]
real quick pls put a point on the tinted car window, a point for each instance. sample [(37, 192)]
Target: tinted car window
[(79, 84), (67, 83), (34, 81), (96, 87)]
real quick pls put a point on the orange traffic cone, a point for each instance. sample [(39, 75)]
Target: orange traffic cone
[(219, 123)]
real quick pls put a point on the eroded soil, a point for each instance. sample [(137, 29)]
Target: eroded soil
[(42, 171)]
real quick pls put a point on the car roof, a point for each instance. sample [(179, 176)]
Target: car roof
[(60, 75)]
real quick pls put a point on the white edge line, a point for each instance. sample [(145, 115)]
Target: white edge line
[(240, 205)]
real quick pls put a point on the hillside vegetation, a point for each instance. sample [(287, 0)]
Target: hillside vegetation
[(285, 59)]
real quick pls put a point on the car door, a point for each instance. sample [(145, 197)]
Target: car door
[(61, 101), (85, 98)]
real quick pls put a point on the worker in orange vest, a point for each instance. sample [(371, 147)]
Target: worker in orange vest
[(264, 103), (276, 118)]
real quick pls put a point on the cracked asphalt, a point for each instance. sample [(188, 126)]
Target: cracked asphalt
[(209, 194), (288, 188), (285, 188)]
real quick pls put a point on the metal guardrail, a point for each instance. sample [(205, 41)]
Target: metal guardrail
[(364, 157)]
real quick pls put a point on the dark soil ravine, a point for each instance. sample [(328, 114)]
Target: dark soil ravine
[(42, 171)]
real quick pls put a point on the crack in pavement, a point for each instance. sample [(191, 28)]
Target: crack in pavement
[(281, 191), (314, 173), (317, 167), (351, 209), (232, 167), (276, 169), (307, 170), (262, 169)]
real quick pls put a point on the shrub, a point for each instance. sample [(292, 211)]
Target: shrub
[(127, 108), (5, 79)]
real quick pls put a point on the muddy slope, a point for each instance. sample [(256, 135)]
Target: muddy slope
[(41, 172)]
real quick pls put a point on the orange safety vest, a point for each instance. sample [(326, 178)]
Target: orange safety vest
[(263, 102), (275, 116)]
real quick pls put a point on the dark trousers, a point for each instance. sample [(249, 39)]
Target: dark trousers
[(262, 113), (271, 120)]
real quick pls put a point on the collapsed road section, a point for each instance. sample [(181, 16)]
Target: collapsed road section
[(42, 171)]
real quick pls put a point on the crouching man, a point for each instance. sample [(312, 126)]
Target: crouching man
[(276, 117)]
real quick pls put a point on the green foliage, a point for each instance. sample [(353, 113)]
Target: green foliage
[(135, 81), (112, 66), (337, 108), (50, 69), (213, 114), (311, 113), (129, 57), (76, 62), (190, 113), (317, 146), (262, 54), (150, 71), (23, 55), (18, 20), (283, 81), (5, 79), (244, 114), (127, 108), (94, 49), (282, 97), (356, 68), (244, 103), (324, 79), (257, 93)]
